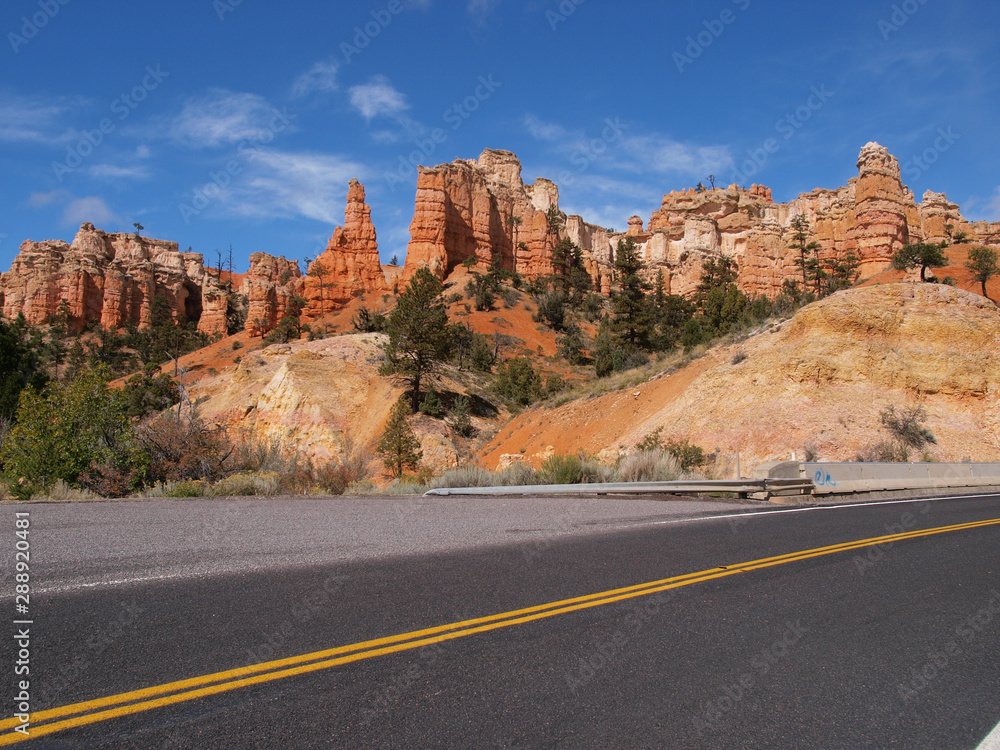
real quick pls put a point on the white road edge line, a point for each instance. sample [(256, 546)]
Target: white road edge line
[(776, 511), (992, 742)]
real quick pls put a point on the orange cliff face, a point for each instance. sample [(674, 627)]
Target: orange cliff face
[(112, 279), (481, 208), (350, 265)]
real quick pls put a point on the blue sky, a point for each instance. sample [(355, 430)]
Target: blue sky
[(218, 122)]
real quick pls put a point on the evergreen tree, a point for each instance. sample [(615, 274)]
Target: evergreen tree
[(431, 405), (19, 366), (983, 264), (419, 335), (923, 254), (460, 416), (632, 315), (518, 381), (399, 447), (805, 247)]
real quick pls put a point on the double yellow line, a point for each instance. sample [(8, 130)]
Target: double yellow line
[(136, 701)]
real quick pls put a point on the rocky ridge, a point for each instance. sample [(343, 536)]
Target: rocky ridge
[(481, 207)]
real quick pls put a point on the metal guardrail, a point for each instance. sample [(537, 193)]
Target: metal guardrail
[(758, 488), (778, 479)]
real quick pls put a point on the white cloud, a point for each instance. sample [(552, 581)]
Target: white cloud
[(37, 200), (35, 119), (320, 77), (91, 208), (292, 185), (665, 155), (222, 117), (544, 131), (115, 172), (609, 147), (378, 98), (143, 152)]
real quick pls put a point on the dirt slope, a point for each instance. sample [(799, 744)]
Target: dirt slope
[(819, 380)]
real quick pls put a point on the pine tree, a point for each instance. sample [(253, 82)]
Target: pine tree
[(800, 242), (923, 254), (983, 265), (399, 447), (632, 315), (419, 335)]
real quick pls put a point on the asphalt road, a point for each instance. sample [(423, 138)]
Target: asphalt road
[(893, 644)]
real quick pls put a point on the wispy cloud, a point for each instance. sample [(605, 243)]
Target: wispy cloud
[(661, 154), (221, 117), (378, 98), (543, 131), (38, 200), (321, 77), (91, 208), (116, 172), (617, 148), (294, 185), (36, 119)]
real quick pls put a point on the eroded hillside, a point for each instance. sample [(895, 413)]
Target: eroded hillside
[(818, 382)]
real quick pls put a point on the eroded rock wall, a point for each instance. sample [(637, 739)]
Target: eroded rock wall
[(112, 279)]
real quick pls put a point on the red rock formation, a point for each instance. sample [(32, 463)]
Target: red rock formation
[(268, 286), (111, 279), (349, 266), (936, 213), (469, 208), (880, 226)]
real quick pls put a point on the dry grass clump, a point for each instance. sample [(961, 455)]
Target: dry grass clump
[(649, 466)]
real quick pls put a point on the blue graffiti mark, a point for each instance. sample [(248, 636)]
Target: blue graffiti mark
[(824, 479)]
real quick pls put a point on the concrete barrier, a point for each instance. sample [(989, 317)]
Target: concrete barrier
[(850, 478)]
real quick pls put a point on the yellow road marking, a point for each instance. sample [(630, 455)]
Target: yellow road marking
[(123, 704)]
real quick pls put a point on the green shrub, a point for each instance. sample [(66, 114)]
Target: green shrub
[(247, 484), (431, 405), (460, 417), (188, 488), (688, 456), (561, 469), (518, 381)]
